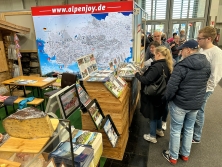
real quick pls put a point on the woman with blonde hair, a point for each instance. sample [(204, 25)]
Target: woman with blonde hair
[(152, 107)]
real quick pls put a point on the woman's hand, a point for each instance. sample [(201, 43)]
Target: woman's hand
[(135, 72), (172, 45)]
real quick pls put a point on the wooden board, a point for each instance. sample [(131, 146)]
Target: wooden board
[(4, 65), (14, 144), (4, 25), (9, 163)]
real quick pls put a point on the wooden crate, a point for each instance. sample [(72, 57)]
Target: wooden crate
[(120, 123), (117, 108), (109, 151), (118, 151)]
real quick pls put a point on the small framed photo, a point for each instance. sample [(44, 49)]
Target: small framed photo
[(51, 163), (110, 130), (68, 101), (95, 113)]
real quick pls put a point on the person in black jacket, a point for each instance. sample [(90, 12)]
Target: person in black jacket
[(174, 48), (185, 92), (151, 106)]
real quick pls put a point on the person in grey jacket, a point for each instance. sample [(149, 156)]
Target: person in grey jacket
[(156, 37), (185, 92)]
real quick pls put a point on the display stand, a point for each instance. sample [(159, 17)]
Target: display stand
[(117, 108)]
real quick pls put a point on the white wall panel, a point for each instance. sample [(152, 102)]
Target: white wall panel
[(29, 3), (87, 1), (10, 5), (50, 2), (214, 8), (219, 14)]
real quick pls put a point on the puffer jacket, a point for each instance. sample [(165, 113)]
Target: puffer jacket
[(187, 84)]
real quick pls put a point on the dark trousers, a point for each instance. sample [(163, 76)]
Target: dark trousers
[(165, 114)]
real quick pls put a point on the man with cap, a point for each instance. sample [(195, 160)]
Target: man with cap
[(185, 94)]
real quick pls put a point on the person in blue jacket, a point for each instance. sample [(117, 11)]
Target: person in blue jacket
[(185, 93)]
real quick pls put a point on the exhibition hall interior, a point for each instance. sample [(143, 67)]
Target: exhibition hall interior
[(110, 83)]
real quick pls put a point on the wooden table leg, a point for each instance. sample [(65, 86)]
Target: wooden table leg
[(6, 110), (24, 91)]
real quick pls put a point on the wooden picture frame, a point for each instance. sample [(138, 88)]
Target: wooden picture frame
[(95, 113), (110, 130)]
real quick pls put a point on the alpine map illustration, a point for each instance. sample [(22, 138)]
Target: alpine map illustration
[(62, 39)]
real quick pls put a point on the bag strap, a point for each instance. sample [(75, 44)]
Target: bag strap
[(163, 71)]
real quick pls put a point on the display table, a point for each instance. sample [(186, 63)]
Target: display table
[(120, 109), (41, 82)]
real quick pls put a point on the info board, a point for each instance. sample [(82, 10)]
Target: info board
[(67, 32)]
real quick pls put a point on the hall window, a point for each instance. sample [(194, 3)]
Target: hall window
[(183, 9), (156, 9)]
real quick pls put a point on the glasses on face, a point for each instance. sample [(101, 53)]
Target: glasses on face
[(198, 38)]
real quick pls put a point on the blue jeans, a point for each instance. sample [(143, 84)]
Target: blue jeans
[(198, 126), (181, 118), (155, 125)]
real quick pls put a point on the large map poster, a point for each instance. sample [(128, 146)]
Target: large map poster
[(68, 32)]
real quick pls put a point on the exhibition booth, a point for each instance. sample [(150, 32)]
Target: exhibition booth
[(68, 59)]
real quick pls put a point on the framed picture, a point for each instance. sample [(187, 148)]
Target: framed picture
[(51, 163), (68, 101), (83, 96), (87, 65), (110, 130), (96, 113)]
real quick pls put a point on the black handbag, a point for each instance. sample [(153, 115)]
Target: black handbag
[(157, 88)]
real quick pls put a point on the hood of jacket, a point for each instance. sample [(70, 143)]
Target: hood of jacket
[(195, 61)]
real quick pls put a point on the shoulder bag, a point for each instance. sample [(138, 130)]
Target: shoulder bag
[(157, 88)]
